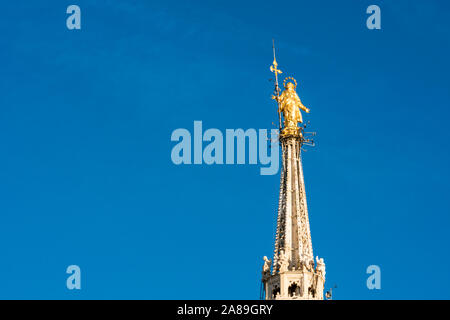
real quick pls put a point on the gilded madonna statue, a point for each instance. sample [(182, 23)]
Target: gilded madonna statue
[(290, 105)]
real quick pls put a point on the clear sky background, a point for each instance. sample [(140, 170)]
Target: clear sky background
[(86, 118)]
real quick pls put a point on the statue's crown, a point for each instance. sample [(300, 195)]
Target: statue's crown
[(290, 80)]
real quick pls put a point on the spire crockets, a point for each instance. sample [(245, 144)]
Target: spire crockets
[(293, 273)]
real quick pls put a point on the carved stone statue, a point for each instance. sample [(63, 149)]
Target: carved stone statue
[(320, 266), (290, 106), (307, 263), (283, 262), (267, 264)]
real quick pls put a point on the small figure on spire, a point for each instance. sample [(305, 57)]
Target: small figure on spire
[(283, 262), (320, 266), (290, 104), (267, 265)]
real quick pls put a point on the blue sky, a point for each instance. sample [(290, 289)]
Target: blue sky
[(85, 124)]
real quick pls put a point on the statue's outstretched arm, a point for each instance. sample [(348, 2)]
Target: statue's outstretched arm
[(301, 106)]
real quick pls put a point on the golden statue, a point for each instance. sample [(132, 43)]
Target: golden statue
[(289, 103)]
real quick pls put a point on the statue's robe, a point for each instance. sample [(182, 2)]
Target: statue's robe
[(290, 104)]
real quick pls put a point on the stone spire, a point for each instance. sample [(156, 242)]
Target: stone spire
[(293, 274), (293, 235)]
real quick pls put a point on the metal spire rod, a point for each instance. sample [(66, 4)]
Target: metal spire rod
[(276, 71)]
